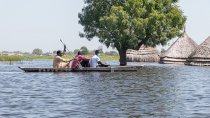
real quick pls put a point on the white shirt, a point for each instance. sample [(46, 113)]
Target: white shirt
[(94, 61)]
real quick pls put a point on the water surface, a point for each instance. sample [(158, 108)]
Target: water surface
[(154, 91)]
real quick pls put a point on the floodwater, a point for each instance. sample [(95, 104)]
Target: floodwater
[(166, 91)]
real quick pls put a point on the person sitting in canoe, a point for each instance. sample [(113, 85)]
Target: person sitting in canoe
[(80, 60), (95, 61), (59, 61)]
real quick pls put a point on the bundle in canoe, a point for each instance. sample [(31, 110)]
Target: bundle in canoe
[(85, 69)]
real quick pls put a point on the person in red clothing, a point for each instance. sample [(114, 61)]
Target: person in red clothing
[(80, 60)]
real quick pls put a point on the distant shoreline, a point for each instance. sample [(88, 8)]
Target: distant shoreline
[(21, 58)]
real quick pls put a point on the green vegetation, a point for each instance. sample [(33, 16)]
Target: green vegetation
[(10, 58), (37, 51), (20, 58), (102, 57), (84, 50), (128, 24), (108, 57)]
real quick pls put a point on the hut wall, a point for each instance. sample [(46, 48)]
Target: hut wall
[(143, 55), (168, 60)]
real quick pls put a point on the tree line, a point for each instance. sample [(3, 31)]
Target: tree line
[(83, 49)]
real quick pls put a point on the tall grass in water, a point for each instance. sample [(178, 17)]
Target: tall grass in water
[(20, 58), (10, 58), (108, 57)]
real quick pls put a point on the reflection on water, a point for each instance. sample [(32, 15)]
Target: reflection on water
[(154, 91)]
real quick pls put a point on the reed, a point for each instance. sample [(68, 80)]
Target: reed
[(36, 57), (20, 58), (10, 58)]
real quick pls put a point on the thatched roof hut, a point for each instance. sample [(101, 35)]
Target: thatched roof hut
[(179, 51), (144, 54), (201, 56)]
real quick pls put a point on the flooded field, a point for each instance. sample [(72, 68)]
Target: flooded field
[(154, 91)]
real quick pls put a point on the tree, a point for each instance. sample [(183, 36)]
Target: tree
[(37, 51), (84, 50), (76, 51), (128, 24), (55, 52)]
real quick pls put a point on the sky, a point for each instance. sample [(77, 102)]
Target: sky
[(29, 24)]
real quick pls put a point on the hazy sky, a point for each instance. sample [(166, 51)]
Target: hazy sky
[(29, 24)]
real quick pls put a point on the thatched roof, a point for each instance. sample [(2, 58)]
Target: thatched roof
[(201, 56), (144, 54), (179, 50)]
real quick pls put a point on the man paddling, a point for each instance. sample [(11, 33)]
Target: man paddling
[(59, 61), (95, 61)]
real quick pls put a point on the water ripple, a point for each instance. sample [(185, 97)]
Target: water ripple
[(154, 91)]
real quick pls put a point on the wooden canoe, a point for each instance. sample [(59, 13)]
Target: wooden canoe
[(85, 69)]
